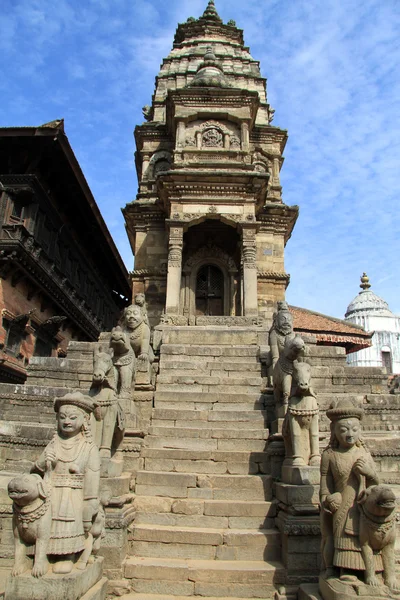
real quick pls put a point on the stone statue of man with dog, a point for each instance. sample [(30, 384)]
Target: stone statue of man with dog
[(358, 516), (55, 507)]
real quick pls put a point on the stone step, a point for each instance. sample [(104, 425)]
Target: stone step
[(164, 541), (208, 486), (205, 461), (213, 508), (211, 579), (204, 380), (191, 397), (199, 416), (204, 521), (210, 335), (219, 424), (204, 444), (215, 432), (170, 365), (163, 596), (186, 360), (195, 349), (214, 388)]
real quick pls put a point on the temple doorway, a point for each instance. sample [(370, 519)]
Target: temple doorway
[(210, 291)]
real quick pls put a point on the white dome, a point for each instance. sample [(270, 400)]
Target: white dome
[(368, 302)]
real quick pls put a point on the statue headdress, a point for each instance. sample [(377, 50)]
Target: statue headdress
[(344, 409), (76, 399)]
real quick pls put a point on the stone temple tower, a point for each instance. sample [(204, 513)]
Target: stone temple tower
[(208, 227)]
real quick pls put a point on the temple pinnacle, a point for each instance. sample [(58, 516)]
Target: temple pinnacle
[(365, 284), (211, 12)]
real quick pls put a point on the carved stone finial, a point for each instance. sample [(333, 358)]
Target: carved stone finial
[(365, 284), (210, 73), (211, 12)]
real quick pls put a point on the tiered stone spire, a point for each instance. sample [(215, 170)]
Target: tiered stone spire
[(211, 13)]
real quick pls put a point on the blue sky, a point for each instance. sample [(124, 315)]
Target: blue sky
[(333, 78)]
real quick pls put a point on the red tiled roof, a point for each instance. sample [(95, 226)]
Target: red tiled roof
[(329, 330)]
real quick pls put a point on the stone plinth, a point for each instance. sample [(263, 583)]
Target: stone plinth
[(300, 475), (335, 589), (74, 586)]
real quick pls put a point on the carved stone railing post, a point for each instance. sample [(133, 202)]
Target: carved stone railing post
[(174, 269), (249, 270)]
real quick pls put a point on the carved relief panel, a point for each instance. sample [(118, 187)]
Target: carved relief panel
[(212, 134)]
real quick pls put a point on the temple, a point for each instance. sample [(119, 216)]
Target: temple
[(209, 227), (237, 448)]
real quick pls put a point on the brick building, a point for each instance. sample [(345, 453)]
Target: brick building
[(61, 275)]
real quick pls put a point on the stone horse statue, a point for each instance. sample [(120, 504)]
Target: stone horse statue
[(109, 417), (300, 427)]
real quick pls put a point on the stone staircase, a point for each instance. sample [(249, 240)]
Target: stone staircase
[(204, 521)]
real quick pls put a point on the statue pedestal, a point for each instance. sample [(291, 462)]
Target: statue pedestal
[(335, 589), (85, 585), (304, 475), (309, 591)]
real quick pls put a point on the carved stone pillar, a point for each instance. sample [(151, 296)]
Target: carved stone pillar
[(180, 134), (145, 164), (174, 269), (245, 136), (275, 172), (250, 305), (198, 139)]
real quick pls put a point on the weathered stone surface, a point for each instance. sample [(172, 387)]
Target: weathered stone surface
[(68, 587)]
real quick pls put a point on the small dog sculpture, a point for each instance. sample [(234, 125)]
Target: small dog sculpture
[(31, 522), (378, 533)]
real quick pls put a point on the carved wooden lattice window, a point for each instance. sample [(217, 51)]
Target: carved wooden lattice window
[(210, 291), (213, 138)]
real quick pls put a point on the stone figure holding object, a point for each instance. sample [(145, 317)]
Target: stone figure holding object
[(70, 466), (293, 351), (357, 514), (282, 328)]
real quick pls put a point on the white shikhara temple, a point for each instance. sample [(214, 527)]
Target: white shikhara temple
[(373, 313)]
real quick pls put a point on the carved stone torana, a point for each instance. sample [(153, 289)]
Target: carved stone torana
[(210, 251), (53, 516), (300, 428), (283, 371), (358, 514)]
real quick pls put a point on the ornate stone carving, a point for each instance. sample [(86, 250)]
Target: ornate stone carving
[(130, 342), (282, 327), (235, 141), (148, 112), (283, 371), (230, 321), (358, 514), (190, 141), (55, 509), (212, 138), (173, 319), (300, 428), (210, 251)]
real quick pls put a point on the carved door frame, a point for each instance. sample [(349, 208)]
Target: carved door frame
[(209, 255)]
